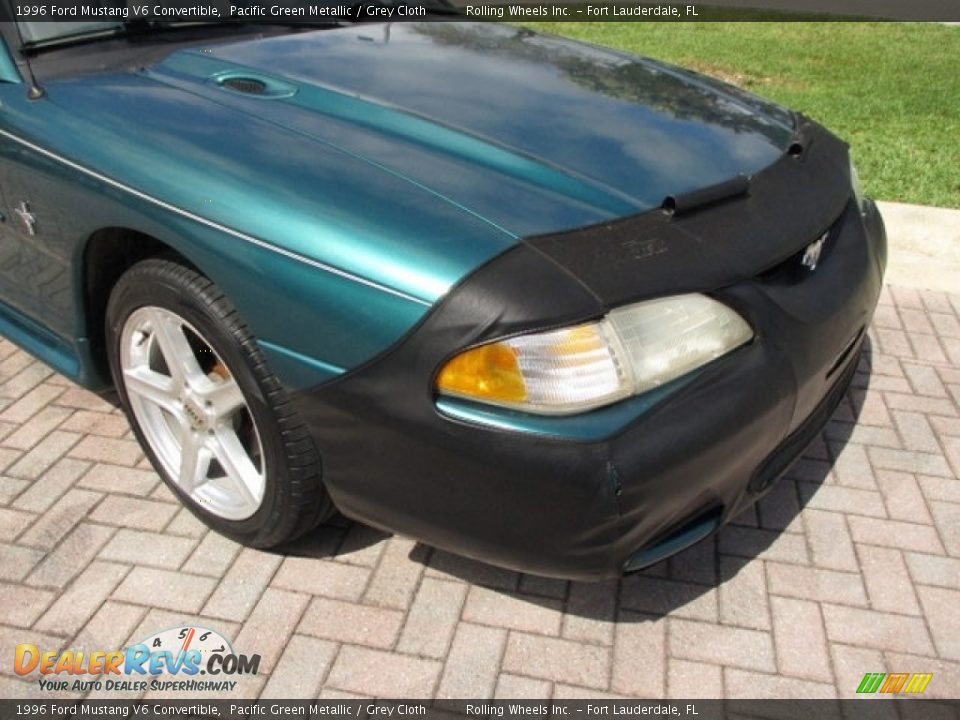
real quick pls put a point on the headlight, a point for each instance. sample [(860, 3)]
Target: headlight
[(633, 349)]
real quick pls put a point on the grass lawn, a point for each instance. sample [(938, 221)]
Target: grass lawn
[(891, 90)]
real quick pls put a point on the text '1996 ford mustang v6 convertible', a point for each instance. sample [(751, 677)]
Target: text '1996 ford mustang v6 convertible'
[(533, 301)]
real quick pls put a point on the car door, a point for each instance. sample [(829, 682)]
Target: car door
[(34, 277), (35, 280)]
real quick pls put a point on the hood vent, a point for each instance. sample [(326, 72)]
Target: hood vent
[(253, 85), (245, 85)]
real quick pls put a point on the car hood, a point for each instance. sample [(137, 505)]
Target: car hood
[(438, 144), (495, 117)]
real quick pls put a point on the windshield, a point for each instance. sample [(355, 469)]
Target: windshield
[(37, 32)]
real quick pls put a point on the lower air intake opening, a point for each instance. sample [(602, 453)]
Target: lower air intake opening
[(676, 540)]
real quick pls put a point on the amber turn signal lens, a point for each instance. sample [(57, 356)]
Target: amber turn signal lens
[(489, 372), (557, 371)]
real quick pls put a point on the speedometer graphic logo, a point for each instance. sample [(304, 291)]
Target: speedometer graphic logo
[(190, 637)]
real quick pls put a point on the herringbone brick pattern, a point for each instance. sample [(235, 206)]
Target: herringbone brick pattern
[(850, 565)]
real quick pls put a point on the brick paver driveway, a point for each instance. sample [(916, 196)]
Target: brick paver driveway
[(851, 565)]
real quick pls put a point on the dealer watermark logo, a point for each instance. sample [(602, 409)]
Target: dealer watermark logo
[(186, 658), (894, 683)]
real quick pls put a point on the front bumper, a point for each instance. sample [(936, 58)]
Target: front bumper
[(588, 505), (574, 508)]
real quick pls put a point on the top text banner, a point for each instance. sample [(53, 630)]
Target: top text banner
[(324, 11)]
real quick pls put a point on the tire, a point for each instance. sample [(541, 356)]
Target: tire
[(214, 421)]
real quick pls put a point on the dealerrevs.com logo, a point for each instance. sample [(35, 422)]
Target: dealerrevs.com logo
[(171, 660)]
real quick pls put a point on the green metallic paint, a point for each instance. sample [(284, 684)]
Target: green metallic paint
[(40, 342), (288, 301), (298, 370), (368, 115), (332, 217), (8, 68), (274, 291)]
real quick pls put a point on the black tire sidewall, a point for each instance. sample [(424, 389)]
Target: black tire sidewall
[(184, 294)]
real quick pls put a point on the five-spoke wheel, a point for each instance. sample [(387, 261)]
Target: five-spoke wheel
[(216, 423), (192, 412)]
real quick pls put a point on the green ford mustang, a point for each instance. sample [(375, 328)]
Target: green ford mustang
[(533, 301)]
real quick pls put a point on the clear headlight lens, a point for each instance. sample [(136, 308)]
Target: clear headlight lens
[(669, 337), (633, 349)]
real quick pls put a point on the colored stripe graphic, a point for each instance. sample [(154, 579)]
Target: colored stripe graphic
[(870, 682), (918, 682), (894, 683)]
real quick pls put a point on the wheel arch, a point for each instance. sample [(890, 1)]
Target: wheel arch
[(106, 255)]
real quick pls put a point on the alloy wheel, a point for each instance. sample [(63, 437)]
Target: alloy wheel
[(192, 413)]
